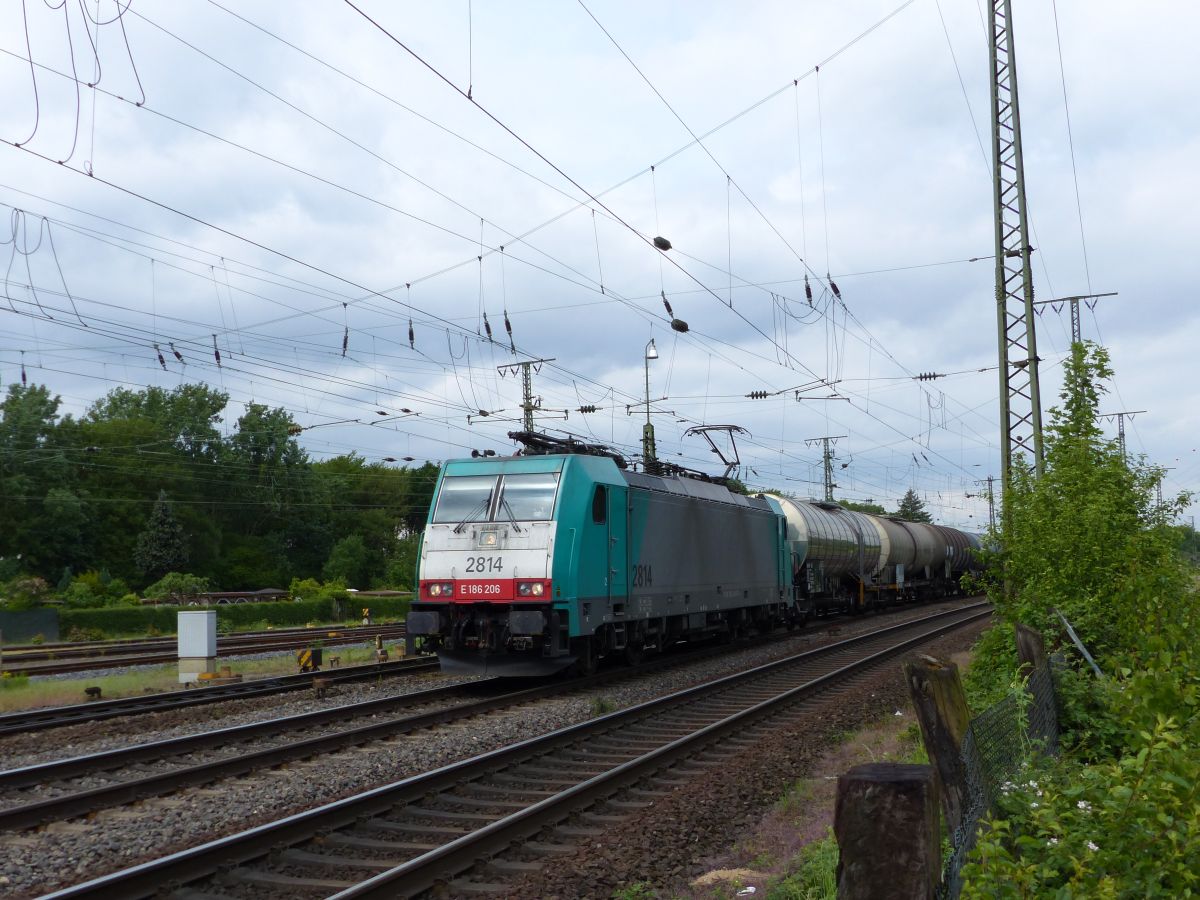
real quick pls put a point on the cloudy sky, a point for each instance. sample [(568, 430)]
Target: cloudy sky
[(284, 180)]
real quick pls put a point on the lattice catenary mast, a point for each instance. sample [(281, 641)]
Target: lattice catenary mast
[(1020, 394)]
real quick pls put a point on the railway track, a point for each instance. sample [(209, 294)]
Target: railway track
[(29, 659), (54, 717), (237, 755), (509, 807)]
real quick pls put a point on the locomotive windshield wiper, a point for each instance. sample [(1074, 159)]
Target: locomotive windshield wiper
[(511, 517), (481, 508)]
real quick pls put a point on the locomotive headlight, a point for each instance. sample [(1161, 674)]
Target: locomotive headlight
[(441, 589), (530, 588)]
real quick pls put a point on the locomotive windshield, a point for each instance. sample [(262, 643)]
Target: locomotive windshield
[(524, 497), (464, 497), (527, 497)]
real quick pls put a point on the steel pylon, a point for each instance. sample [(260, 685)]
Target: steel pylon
[(1020, 394)]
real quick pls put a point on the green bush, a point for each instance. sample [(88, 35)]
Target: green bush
[(99, 584), (117, 621), (1125, 828), (1118, 814), (79, 595), (1087, 537), (177, 586), (25, 592), (9, 680), (84, 635), (812, 874), (311, 589)]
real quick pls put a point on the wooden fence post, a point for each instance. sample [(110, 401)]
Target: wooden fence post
[(888, 833), (1031, 649), (941, 707)]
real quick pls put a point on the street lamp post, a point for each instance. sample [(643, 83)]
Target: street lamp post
[(649, 456)]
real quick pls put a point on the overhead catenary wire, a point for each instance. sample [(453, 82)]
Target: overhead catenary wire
[(729, 268)]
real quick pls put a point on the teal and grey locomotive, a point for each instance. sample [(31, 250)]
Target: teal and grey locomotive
[(533, 563)]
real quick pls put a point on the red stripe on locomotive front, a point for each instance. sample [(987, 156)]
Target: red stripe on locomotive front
[(486, 590)]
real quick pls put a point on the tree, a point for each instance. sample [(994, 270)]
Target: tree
[(162, 546), (401, 571), (39, 512), (912, 508), (186, 416), (873, 508), (1088, 538), (349, 562), (60, 534)]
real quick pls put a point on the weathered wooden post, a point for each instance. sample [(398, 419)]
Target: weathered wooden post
[(941, 707), (1031, 649), (888, 832)]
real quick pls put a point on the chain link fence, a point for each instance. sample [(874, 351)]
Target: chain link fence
[(996, 743)]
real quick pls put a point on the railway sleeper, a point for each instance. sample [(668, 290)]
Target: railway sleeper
[(257, 877), (581, 773), (542, 848), (587, 755), (518, 777), (577, 832), (467, 886), (460, 800), (309, 858), (628, 741), (365, 843), (628, 805), (509, 790), (600, 818), (391, 827), (649, 794), (512, 866)]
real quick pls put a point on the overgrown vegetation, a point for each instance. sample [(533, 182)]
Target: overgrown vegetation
[(602, 706), (145, 483), (812, 874), (1117, 815)]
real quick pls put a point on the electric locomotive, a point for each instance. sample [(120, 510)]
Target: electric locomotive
[(562, 556)]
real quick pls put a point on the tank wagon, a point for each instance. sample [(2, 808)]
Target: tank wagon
[(564, 556), (846, 561)]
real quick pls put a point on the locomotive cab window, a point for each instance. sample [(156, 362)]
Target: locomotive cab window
[(600, 505), (527, 497), (464, 498)]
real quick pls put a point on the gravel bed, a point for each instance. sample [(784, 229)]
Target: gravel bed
[(684, 834), (65, 853)]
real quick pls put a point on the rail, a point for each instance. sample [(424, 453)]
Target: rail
[(679, 723)]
